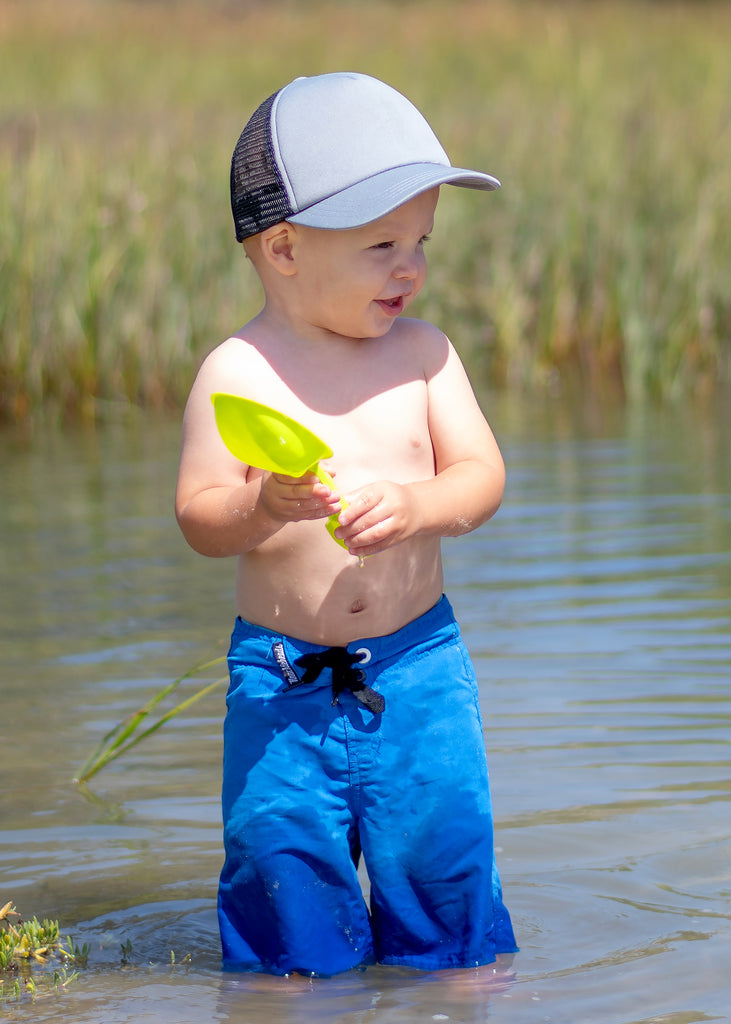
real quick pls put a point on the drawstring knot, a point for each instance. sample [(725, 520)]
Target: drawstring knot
[(345, 675)]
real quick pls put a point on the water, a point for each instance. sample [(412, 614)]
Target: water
[(597, 606)]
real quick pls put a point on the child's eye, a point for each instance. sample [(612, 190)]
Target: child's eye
[(389, 245)]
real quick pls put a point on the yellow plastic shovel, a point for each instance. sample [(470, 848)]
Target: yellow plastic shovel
[(265, 438)]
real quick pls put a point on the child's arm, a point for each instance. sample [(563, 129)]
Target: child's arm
[(467, 487), (224, 507)]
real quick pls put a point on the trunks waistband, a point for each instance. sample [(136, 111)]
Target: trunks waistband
[(370, 649)]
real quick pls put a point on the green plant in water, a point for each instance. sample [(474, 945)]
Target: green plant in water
[(79, 955), (33, 943), (25, 940), (127, 733)]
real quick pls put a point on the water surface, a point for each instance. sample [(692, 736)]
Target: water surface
[(597, 606)]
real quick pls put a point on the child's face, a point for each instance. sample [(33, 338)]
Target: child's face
[(356, 282)]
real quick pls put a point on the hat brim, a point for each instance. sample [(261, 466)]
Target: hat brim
[(374, 197)]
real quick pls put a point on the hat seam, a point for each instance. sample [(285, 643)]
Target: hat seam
[(279, 156)]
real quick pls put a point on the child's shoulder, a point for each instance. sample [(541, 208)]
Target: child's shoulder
[(229, 365), (234, 348), (237, 350), (426, 344), (409, 330)]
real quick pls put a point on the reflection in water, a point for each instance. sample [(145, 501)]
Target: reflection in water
[(597, 608)]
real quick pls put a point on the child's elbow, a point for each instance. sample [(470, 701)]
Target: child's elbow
[(196, 535), (494, 489)]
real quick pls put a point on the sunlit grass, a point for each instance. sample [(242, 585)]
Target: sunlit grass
[(138, 726), (603, 259), (33, 960)]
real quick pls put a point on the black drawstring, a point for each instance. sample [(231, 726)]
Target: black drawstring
[(345, 675)]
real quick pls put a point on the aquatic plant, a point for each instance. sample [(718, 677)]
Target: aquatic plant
[(128, 733), (25, 945), (36, 962), (603, 259)]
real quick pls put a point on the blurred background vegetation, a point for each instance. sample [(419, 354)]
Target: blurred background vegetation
[(603, 262)]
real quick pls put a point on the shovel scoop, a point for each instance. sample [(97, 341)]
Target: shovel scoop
[(269, 440)]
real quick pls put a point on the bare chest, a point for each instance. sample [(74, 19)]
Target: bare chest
[(385, 436)]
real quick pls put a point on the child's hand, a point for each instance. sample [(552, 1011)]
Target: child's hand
[(291, 499), (378, 517)]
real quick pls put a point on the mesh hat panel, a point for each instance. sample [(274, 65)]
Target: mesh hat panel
[(258, 196)]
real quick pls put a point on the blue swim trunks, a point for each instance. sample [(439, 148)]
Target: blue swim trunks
[(376, 750)]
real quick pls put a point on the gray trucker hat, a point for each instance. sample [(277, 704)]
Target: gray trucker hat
[(336, 151)]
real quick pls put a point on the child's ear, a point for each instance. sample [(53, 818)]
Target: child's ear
[(277, 247)]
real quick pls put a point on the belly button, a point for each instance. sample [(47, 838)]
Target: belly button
[(356, 606)]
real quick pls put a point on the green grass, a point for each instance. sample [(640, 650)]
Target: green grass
[(37, 963), (129, 732), (33, 959), (604, 259)]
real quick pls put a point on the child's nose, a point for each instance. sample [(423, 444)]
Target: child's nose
[(408, 267)]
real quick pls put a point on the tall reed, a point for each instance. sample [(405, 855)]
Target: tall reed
[(605, 257)]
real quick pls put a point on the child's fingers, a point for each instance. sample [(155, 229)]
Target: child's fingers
[(309, 479), (296, 498), (360, 506), (377, 517)]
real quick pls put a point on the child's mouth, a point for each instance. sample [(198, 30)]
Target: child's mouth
[(392, 307)]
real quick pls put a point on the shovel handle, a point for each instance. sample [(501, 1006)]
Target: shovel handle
[(332, 521), (323, 476)]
